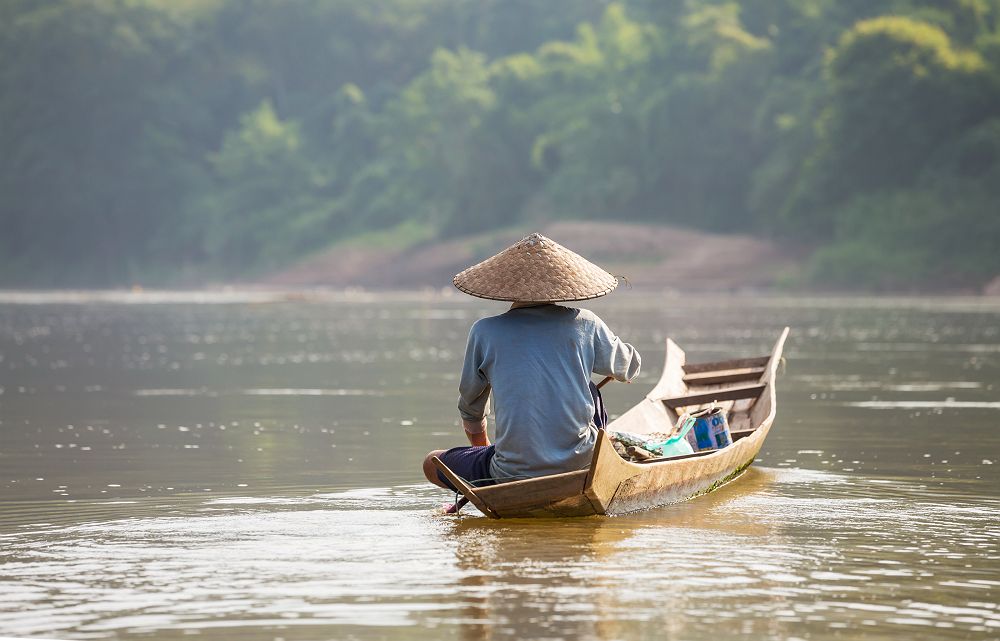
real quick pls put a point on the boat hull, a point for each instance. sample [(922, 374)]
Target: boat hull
[(666, 484)]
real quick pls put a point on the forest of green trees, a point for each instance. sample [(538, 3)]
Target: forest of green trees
[(176, 141)]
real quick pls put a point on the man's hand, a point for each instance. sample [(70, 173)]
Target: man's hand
[(475, 431)]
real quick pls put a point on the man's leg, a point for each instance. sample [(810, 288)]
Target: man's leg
[(471, 463), (431, 472)]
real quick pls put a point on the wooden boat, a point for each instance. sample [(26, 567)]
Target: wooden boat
[(744, 387)]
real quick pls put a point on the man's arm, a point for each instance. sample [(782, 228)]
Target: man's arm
[(474, 393), (613, 356), (475, 431)]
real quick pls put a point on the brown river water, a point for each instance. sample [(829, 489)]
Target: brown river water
[(247, 466)]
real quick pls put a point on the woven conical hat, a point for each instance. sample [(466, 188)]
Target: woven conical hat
[(536, 269)]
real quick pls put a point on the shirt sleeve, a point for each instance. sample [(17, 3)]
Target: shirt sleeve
[(613, 356), (473, 388)]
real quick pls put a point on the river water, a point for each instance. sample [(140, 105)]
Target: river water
[(247, 466)]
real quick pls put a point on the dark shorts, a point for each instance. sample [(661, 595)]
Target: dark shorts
[(472, 463)]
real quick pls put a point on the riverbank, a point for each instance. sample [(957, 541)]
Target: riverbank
[(645, 255)]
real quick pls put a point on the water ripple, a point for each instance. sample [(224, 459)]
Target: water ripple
[(382, 556)]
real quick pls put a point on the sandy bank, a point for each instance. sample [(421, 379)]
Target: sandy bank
[(647, 255)]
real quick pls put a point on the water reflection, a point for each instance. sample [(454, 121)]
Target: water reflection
[(600, 577)]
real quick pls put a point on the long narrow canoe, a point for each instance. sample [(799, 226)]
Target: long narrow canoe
[(611, 485)]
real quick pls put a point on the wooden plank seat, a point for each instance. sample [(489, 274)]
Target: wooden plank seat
[(736, 375), (715, 366), (723, 394)]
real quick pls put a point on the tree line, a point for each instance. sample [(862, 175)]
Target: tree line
[(170, 141)]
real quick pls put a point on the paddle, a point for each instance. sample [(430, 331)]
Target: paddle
[(453, 508)]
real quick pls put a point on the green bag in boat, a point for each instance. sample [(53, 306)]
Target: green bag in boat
[(676, 445)]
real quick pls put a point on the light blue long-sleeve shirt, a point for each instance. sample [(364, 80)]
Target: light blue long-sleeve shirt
[(537, 362)]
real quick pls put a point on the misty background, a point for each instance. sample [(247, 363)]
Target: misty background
[(182, 142)]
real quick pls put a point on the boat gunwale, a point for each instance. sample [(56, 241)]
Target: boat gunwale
[(533, 480)]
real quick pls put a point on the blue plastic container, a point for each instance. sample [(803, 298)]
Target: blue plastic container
[(711, 430)]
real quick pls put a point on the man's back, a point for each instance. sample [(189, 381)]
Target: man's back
[(538, 361)]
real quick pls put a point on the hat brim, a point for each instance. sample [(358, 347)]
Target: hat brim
[(536, 269)]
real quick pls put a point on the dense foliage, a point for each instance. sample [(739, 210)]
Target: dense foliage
[(170, 140)]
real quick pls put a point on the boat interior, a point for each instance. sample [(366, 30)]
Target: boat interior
[(733, 385), (737, 385)]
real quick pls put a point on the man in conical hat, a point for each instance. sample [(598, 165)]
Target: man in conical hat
[(537, 359)]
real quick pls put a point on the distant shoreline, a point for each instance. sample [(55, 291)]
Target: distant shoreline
[(406, 260), (663, 257), (447, 295), (651, 259), (655, 257)]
